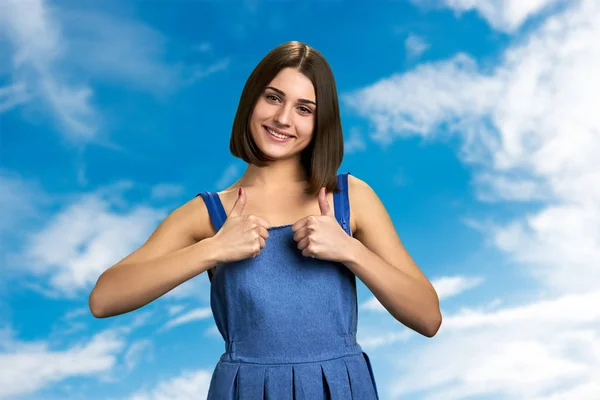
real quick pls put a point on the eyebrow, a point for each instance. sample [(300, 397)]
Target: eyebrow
[(283, 94)]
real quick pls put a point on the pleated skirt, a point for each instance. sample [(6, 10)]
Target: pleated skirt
[(344, 378)]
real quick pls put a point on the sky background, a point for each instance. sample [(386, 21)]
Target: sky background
[(475, 121)]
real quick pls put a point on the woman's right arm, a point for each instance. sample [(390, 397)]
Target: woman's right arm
[(179, 249)]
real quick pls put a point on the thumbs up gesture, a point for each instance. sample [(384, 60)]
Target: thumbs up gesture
[(241, 236), (321, 236)]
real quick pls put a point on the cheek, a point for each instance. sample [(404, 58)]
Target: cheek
[(256, 119), (305, 128), (260, 111), (256, 115)]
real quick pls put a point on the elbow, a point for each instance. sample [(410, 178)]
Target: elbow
[(433, 326), (434, 321), (97, 301), (95, 305)]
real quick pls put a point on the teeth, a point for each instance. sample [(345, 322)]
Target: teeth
[(277, 134)]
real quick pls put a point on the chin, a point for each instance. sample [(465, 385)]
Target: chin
[(278, 155)]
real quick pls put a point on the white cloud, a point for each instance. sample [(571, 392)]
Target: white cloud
[(28, 367), (503, 15), (13, 95), (199, 72), (415, 46), (59, 51), (19, 204), (74, 321), (190, 316), (571, 310), (175, 309), (447, 287), (19, 200), (369, 341), (539, 350), (69, 240), (190, 385), (494, 188), (227, 177), (39, 45), (560, 244), (69, 249), (166, 190), (116, 50), (531, 125), (212, 331), (438, 96), (355, 142), (139, 350), (82, 240), (197, 287)]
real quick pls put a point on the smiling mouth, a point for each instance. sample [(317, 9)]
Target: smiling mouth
[(275, 134)]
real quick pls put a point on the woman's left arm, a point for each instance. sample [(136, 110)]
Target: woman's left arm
[(378, 258)]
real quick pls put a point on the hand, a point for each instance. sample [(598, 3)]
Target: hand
[(241, 236), (322, 236)]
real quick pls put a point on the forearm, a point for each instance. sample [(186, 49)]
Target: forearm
[(412, 302), (127, 287)]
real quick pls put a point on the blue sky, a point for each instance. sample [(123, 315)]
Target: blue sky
[(475, 122)]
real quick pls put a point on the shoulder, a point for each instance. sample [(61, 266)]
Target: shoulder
[(359, 190), (357, 184)]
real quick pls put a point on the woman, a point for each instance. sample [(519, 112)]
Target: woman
[(283, 247)]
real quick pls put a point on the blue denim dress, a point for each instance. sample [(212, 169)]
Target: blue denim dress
[(288, 321)]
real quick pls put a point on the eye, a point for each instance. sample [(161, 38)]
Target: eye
[(306, 110), (271, 96)]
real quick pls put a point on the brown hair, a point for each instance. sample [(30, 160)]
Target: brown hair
[(323, 155)]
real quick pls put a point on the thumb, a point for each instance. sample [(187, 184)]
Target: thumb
[(324, 204), (238, 207)]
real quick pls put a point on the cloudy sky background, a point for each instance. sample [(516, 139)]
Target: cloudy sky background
[(476, 122)]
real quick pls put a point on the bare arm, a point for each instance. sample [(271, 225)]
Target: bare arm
[(380, 260), (171, 256)]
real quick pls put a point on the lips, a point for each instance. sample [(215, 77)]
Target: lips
[(278, 131), (276, 139)]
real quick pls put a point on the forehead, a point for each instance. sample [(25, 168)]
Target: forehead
[(294, 84)]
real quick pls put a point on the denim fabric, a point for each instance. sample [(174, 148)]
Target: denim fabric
[(288, 321)]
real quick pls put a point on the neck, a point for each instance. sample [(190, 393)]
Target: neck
[(275, 175)]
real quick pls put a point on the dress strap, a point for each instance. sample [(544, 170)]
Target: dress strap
[(215, 209), (341, 203)]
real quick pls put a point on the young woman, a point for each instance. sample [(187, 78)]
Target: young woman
[(283, 247)]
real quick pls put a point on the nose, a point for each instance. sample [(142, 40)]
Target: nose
[(283, 115)]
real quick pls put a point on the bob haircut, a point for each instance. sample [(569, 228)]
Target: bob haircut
[(323, 155)]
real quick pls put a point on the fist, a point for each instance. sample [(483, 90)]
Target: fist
[(241, 236)]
